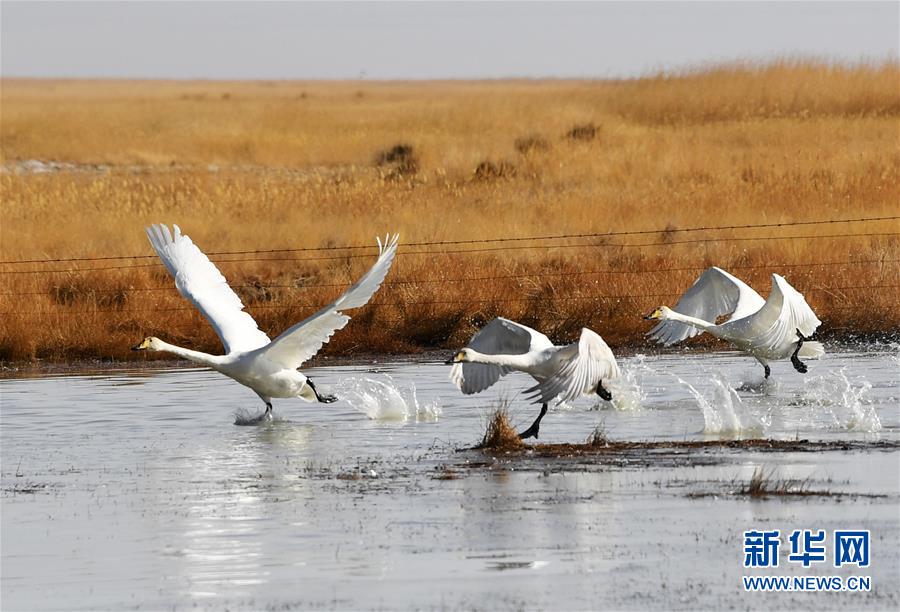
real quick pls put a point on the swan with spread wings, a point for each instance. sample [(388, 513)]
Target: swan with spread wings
[(269, 367), (564, 372), (775, 328)]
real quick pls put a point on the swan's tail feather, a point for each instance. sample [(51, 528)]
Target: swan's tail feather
[(811, 350)]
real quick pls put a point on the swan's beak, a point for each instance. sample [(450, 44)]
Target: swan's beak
[(458, 357), (143, 346), (137, 347), (653, 316)]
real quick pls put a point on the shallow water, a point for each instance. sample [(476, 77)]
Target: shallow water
[(136, 490)]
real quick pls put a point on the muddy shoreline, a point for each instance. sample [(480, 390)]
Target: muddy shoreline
[(661, 453)]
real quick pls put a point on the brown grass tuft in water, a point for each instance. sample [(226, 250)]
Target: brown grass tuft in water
[(500, 436), (765, 483)]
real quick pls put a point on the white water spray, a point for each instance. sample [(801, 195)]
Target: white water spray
[(724, 413), (383, 400), (628, 391), (842, 402)]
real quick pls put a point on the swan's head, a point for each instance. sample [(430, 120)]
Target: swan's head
[(660, 314), (149, 344), (462, 356)]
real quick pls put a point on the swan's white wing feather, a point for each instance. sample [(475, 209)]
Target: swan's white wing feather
[(476, 377), (499, 337), (198, 279), (504, 337), (303, 340), (713, 294), (582, 366), (774, 327)]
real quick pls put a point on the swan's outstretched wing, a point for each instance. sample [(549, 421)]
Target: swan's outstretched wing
[(499, 337), (774, 327), (198, 279), (582, 366), (713, 294), (304, 339)]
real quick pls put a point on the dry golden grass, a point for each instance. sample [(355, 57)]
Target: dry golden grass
[(255, 166)]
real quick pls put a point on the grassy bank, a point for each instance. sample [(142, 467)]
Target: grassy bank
[(289, 165)]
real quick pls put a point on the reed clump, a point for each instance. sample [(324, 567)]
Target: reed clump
[(765, 483), (289, 165), (531, 144), (400, 161), (500, 436), (585, 132), (488, 170)]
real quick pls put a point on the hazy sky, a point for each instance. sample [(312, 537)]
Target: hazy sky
[(413, 40)]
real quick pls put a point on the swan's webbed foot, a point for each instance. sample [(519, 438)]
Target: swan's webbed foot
[(603, 393), (532, 432), (325, 399), (795, 360)]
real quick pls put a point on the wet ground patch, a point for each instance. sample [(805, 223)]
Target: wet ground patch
[(667, 453)]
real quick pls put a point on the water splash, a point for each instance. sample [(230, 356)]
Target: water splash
[(842, 403), (762, 386), (383, 400), (427, 411), (242, 416), (724, 413), (628, 391)]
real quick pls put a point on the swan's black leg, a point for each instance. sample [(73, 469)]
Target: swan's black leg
[(795, 360), (268, 410), (325, 399), (768, 370), (603, 393), (532, 432)]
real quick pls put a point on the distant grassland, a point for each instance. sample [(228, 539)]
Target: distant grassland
[(245, 166)]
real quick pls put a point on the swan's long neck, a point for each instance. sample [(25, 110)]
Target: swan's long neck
[(692, 321), (513, 361), (212, 361)]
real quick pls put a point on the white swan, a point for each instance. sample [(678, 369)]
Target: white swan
[(267, 367), (565, 372), (775, 328)]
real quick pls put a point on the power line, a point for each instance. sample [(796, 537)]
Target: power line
[(523, 275), (667, 230), (469, 251)]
